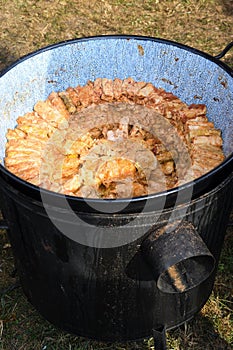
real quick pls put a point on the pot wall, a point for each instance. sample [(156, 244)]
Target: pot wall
[(107, 293)]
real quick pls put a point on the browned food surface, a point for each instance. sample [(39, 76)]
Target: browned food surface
[(111, 139)]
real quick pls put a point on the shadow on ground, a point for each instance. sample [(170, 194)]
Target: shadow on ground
[(227, 7), (6, 57), (199, 332)]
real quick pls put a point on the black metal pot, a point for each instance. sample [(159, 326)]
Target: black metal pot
[(119, 269)]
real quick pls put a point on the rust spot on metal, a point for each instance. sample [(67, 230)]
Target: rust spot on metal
[(223, 82), (169, 82), (140, 50), (176, 277), (197, 97), (52, 81)]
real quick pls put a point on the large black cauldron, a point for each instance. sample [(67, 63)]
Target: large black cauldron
[(119, 269)]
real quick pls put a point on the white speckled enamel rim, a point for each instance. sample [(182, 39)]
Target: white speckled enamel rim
[(193, 76)]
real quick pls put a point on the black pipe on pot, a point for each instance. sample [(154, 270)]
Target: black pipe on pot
[(178, 257)]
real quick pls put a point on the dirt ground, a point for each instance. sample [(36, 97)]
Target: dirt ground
[(27, 25)]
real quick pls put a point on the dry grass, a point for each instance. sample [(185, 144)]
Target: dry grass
[(26, 25)]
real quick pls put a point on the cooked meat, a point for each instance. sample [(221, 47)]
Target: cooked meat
[(113, 138)]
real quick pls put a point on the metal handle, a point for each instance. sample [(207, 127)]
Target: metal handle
[(224, 51)]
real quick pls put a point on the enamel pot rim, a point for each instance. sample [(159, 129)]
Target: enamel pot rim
[(198, 187)]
